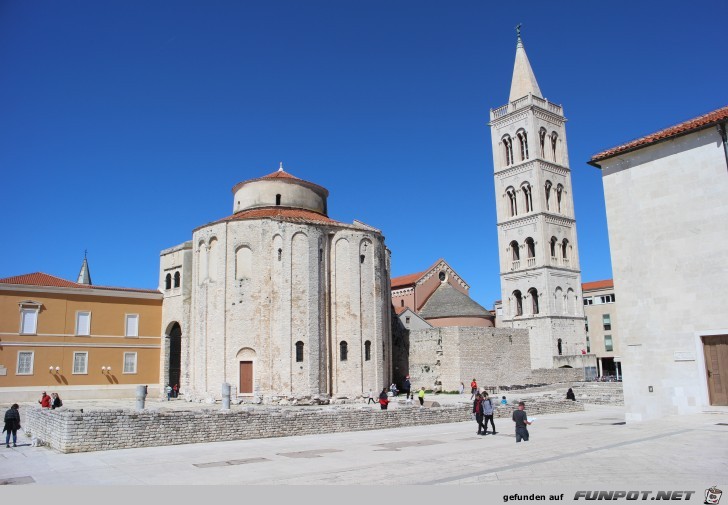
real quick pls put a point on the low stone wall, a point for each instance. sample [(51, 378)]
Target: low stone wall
[(97, 430)]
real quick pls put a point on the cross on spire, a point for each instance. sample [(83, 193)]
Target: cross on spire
[(280, 167)]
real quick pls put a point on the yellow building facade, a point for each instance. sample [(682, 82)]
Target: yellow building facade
[(76, 339)]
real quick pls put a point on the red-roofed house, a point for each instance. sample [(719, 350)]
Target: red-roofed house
[(438, 296), (667, 214), (76, 339)]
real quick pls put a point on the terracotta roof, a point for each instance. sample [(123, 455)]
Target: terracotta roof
[(284, 176), (406, 280), (280, 174), (281, 214), (694, 124), (409, 279), (399, 310), (42, 279), (590, 286)]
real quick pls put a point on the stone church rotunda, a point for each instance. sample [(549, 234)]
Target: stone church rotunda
[(278, 300)]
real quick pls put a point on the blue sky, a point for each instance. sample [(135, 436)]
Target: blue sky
[(124, 124)]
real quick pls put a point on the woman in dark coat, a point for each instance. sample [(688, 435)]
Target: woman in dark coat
[(12, 424), (570, 395)]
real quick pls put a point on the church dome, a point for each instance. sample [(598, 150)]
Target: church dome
[(279, 189)]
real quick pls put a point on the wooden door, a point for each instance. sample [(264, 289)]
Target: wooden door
[(716, 364), (246, 378)]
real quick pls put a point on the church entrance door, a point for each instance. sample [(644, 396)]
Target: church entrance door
[(716, 364), (246, 377)]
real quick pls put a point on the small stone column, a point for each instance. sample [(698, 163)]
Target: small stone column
[(226, 396), (141, 395)]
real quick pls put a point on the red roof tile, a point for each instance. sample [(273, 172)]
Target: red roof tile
[(42, 279), (281, 214), (694, 124), (590, 286), (280, 174), (399, 310), (406, 280)]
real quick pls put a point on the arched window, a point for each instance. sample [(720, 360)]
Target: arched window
[(202, 263), (570, 301), (523, 143), (530, 252), (518, 302), (176, 279), (554, 141), (534, 300), (558, 344), (367, 351), (299, 352), (401, 303), (515, 255), (559, 193), (168, 281), (213, 262), (343, 351), (243, 263), (508, 148), (565, 252), (527, 197), (548, 194), (278, 199), (542, 141), (553, 249), (513, 204), (558, 301)]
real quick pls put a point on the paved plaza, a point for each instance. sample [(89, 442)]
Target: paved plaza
[(573, 449)]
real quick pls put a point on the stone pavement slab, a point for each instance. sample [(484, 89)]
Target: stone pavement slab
[(572, 449)]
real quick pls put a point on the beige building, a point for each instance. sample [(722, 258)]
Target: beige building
[(667, 214), (602, 328), (76, 339), (278, 300), (537, 241)]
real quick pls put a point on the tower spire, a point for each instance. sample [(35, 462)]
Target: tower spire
[(84, 276), (524, 80)]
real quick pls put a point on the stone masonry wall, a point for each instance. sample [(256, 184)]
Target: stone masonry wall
[(75, 431)]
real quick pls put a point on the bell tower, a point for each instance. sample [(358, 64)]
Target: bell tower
[(539, 256)]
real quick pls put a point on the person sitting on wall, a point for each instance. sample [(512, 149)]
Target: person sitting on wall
[(45, 401), (383, 399), (570, 395)]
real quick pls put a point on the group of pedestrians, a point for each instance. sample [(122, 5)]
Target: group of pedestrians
[(50, 402), (406, 388), (483, 412)]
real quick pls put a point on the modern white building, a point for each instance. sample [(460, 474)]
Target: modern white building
[(667, 214), (278, 299), (539, 255)]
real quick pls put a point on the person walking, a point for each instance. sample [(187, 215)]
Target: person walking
[(478, 412), (421, 396), (383, 399), (462, 388), (371, 397), (45, 401), (56, 401), (570, 395), (175, 391), (407, 387), (488, 414), (473, 388), (12, 425), (521, 419), (168, 389)]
